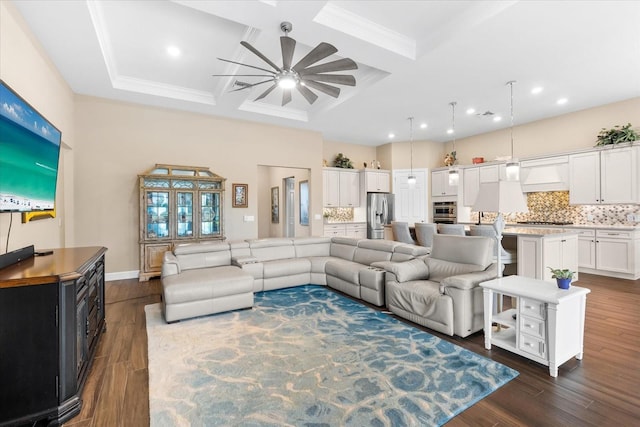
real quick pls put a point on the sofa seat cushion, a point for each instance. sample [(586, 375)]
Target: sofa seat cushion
[(417, 296), (286, 267), (346, 270), (206, 283)]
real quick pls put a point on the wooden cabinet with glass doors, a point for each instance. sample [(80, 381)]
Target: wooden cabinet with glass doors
[(178, 204)]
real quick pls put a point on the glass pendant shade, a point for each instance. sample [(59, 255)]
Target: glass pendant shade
[(454, 177), (513, 170), (411, 180)]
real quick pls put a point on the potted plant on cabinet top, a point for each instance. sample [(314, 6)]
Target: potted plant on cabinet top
[(563, 277), (617, 135)]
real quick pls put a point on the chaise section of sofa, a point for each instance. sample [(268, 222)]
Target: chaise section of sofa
[(198, 279)]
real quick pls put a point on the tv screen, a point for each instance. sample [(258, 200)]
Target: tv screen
[(29, 153)]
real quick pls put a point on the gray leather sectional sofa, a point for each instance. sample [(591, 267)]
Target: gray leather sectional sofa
[(440, 290)]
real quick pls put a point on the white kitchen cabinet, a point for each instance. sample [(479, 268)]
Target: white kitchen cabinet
[(606, 176), (358, 231), (470, 185), (331, 188), (537, 253), (341, 188), (349, 189), (587, 249), (333, 230), (375, 180), (615, 251), (440, 184), (474, 176)]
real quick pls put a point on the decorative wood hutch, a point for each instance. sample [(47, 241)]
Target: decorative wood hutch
[(178, 204)]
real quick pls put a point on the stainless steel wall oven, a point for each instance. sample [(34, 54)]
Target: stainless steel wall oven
[(445, 212)]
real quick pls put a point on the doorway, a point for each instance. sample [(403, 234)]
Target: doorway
[(289, 185)]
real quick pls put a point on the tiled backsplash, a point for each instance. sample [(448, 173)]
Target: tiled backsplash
[(338, 214), (554, 206)]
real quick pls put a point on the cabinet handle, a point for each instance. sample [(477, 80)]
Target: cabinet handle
[(528, 307), (613, 234)]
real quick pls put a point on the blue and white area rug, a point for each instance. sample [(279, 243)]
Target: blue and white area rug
[(307, 356)]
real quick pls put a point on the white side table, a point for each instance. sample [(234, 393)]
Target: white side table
[(547, 325)]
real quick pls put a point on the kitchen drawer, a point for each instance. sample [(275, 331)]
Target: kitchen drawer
[(586, 233), (532, 308), (533, 327), (334, 230), (533, 345), (614, 234)]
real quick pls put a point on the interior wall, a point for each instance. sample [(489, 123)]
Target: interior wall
[(557, 134), (358, 154), (117, 141), (45, 89)]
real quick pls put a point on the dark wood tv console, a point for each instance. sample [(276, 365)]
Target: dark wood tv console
[(51, 319)]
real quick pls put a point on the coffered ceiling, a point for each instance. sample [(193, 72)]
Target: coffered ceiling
[(414, 58)]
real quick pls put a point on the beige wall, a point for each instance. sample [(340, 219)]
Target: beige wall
[(561, 133), (43, 87), (270, 177), (117, 141)]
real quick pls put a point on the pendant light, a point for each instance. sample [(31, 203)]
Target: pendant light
[(411, 180), (454, 175), (513, 166)]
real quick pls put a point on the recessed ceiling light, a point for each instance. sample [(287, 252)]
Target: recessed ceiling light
[(392, 135), (423, 126), (471, 110), (497, 118), (536, 90), (449, 131), (562, 101), (173, 51)]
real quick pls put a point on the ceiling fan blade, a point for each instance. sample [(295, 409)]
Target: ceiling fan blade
[(241, 75), (339, 65), (340, 79), (259, 55), (286, 97), (308, 95), (288, 46), (329, 90), (247, 65), (252, 85), (266, 92), (319, 52)]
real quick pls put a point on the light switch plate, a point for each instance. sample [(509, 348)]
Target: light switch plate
[(249, 218)]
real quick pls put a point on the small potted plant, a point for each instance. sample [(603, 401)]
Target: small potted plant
[(617, 135), (563, 277)]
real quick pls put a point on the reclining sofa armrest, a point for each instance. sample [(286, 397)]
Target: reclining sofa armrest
[(414, 269), (170, 264), (470, 280)]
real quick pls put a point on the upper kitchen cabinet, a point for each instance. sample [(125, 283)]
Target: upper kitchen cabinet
[(375, 180), (440, 184), (474, 176), (607, 176), (341, 187)]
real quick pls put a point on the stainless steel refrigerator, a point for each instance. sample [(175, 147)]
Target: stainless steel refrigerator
[(379, 213)]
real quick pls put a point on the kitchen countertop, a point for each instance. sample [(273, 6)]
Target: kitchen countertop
[(623, 227)]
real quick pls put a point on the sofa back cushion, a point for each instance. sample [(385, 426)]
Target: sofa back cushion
[(343, 247), (312, 246), (463, 249), (240, 248), (202, 255), (369, 251), (440, 269), (272, 248)]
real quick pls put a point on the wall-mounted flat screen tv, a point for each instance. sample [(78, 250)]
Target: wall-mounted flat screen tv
[(29, 154)]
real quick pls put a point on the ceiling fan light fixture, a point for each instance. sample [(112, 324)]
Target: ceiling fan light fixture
[(287, 79)]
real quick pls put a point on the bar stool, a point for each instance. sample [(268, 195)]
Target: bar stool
[(401, 232), (456, 229), (425, 232)]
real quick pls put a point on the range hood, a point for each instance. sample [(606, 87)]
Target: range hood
[(549, 174)]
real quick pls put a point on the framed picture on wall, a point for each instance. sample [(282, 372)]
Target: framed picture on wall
[(240, 195), (304, 202), (275, 205)]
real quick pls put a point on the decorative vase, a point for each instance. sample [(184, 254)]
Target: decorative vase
[(563, 283)]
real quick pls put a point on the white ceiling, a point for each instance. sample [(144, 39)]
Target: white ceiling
[(414, 58)]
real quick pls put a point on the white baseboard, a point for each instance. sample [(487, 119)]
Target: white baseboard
[(121, 275)]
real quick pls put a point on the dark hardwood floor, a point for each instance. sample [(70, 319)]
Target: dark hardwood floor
[(601, 390)]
